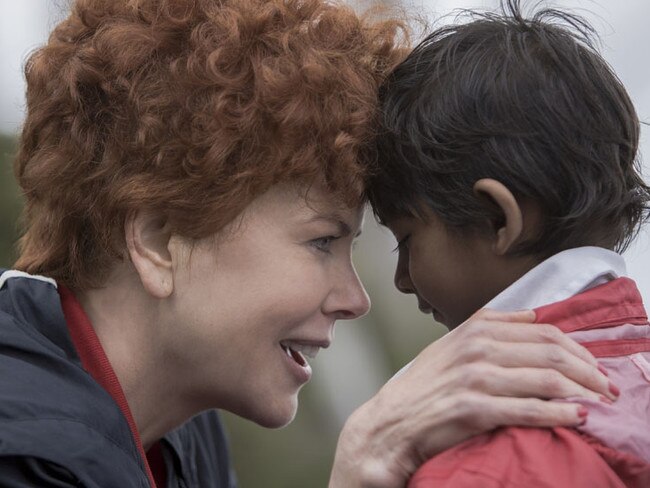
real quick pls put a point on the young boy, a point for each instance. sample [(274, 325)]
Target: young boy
[(507, 173)]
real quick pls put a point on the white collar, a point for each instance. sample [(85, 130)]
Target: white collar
[(559, 277)]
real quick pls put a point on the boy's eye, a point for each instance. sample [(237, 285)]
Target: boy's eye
[(323, 243), (401, 244)]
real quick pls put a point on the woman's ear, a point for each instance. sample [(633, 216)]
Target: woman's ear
[(147, 240), (508, 230)]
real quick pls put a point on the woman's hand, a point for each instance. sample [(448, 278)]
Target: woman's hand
[(495, 369)]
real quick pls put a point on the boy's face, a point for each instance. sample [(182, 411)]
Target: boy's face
[(451, 275)]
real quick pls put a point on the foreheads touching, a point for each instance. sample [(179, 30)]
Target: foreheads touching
[(527, 102)]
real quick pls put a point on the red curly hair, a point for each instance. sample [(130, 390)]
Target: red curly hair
[(192, 108)]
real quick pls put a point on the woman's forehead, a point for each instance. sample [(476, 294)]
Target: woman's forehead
[(304, 204)]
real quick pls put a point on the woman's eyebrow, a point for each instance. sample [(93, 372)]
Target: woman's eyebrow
[(336, 219)]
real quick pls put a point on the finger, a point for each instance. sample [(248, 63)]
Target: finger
[(532, 412), (552, 356), (523, 316), (473, 413), (529, 382), (501, 325), (539, 333)]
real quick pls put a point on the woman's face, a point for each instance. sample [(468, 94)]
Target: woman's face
[(252, 304)]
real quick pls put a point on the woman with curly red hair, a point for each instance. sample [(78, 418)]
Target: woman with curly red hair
[(194, 179)]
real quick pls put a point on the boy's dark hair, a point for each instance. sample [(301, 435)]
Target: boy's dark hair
[(528, 102)]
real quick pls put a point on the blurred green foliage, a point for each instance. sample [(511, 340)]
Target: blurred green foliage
[(10, 202)]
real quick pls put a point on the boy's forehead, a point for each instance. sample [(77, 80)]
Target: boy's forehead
[(408, 214), (399, 225)]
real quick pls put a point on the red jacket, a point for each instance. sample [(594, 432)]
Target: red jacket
[(612, 449)]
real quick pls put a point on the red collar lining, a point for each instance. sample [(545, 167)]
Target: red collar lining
[(94, 360), (607, 305), (617, 348)]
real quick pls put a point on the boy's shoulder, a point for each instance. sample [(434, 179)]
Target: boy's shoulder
[(520, 457)]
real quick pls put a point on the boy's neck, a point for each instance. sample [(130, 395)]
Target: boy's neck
[(559, 277)]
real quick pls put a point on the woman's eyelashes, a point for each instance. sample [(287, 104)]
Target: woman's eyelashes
[(323, 244)]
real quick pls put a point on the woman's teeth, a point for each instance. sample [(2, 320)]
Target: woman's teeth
[(297, 352)]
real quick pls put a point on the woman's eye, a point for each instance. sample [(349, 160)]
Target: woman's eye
[(323, 243)]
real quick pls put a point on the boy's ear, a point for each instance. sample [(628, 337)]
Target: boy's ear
[(147, 240), (508, 229)]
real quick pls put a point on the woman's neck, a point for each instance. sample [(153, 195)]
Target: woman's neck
[(127, 322)]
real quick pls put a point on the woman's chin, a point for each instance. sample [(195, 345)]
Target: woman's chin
[(275, 416)]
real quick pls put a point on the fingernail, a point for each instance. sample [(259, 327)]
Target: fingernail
[(602, 369), (613, 389), (606, 400), (583, 412)]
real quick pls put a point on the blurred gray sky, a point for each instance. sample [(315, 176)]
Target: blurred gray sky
[(24, 25)]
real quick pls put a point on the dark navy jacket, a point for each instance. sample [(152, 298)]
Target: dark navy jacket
[(60, 428)]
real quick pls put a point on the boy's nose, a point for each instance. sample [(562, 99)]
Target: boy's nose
[(402, 277)]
